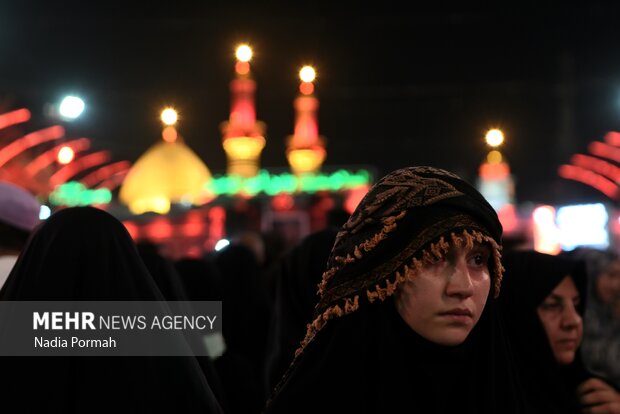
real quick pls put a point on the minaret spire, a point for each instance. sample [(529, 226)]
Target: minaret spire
[(305, 148), (243, 136)]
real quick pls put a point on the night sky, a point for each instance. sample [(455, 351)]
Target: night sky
[(396, 88)]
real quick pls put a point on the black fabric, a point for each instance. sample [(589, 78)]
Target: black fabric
[(529, 278), (297, 278), (242, 384), (163, 272), (244, 303), (171, 286), (85, 254), (12, 238), (370, 361), (245, 317), (239, 377), (201, 279)]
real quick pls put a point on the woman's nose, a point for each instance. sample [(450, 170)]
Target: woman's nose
[(570, 317), (460, 283)]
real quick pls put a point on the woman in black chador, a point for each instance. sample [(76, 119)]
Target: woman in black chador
[(542, 303), (85, 254), (406, 320), (296, 277)]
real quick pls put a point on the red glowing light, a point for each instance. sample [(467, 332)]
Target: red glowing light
[(104, 173), (28, 141), (48, 157), (306, 133), (242, 68), (242, 109), (194, 225), (192, 229), (282, 202), (597, 165), (169, 134), (81, 164), (613, 138), (217, 221), (159, 229), (132, 229), (597, 181), (354, 198), (508, 217), (306, 88), (490, 171), (601, 149), (14, 117), (615, 224), (114, 181)]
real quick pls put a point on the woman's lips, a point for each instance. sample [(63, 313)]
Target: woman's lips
[(568, 343), (458, 315)]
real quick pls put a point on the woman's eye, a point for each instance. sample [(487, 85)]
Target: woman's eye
[(552, 306), (478, 260)]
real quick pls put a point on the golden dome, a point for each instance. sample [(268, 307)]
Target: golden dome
[(166, 173)]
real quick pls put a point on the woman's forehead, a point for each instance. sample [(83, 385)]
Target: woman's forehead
[(566, 287)]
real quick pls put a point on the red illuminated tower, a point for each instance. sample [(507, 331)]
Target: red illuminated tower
[(496, 184), (243, 136), (305, 149)]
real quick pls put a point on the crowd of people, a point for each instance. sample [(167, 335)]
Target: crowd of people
[(408, 303)]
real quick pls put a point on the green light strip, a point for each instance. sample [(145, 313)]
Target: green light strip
[(272, 184), (75, 193)]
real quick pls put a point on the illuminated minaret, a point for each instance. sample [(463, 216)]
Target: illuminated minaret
[(242, 135), (305, 149), (495, 182)]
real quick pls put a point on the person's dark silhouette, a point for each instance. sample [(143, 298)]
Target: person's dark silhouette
[(85, 254)]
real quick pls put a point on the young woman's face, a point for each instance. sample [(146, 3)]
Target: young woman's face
[(562, 323), (444, 301)]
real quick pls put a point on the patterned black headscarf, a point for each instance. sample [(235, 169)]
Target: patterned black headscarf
[(408, 219)]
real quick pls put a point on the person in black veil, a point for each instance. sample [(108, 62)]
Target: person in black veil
[(202, 282), (296, 278), (406, 318), (168, 280), (85, 254), (542, 302), (245, 318)]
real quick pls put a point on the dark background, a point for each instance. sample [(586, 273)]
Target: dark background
[(396, 87)]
